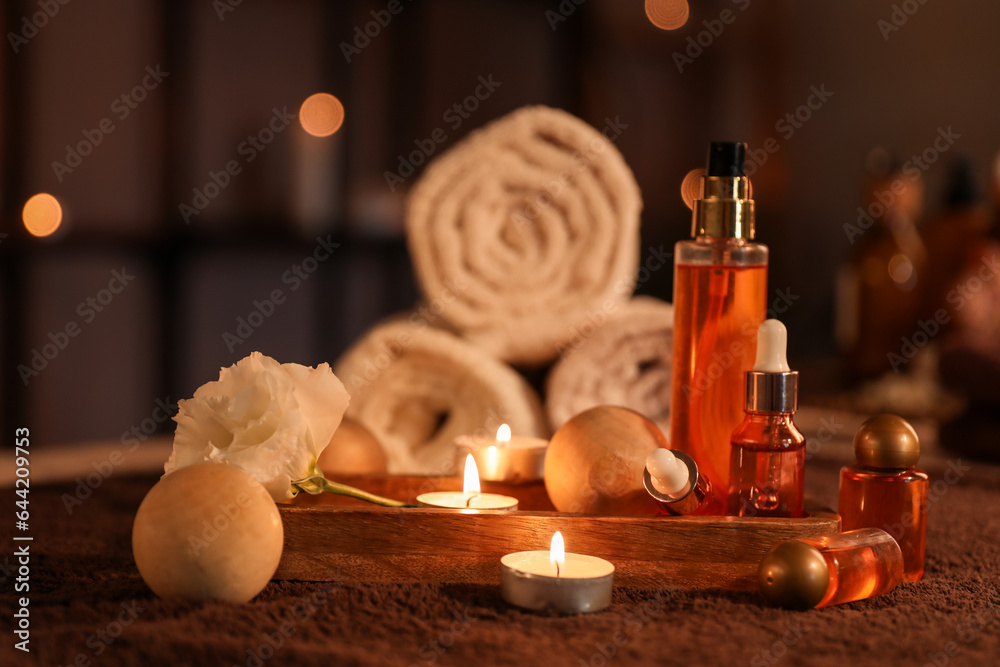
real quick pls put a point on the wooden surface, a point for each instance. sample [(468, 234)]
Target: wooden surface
[(407, 488), (328, 542)]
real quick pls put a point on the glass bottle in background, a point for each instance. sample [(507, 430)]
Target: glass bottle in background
[(833, 569), (720, 298), (954, 240), (879, 289), (885, 491), (768, 455)]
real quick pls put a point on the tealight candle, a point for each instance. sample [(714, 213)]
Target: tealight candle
[(470, 498), (506, 458), (556, 581)]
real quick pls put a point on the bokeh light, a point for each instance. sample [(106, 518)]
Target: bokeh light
[(667, 14), (902, 272), (691, 186), (321, 114), (42, 214)]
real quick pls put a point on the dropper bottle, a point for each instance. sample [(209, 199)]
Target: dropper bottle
[(768, 452), (720, 298)]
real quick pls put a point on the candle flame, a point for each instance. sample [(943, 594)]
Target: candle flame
[(557, 553), (471, 485), (503, 434)]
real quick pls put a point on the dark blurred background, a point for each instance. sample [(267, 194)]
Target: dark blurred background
[(212, 74)]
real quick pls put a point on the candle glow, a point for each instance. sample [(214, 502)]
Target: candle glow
[(492, 460), (557, 553), (471, 499), (502, 456), (553, 580), (471, 484)]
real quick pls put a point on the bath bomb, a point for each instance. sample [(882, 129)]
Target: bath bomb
[(207, 531), (595, 462)]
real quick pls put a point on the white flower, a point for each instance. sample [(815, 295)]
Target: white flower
[(271, 420)]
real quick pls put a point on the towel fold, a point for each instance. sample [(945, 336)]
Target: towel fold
[(416, 388), (525, 228), (626, 362)]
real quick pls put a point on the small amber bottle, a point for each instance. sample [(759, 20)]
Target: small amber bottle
[(885, 491), (831, 569), (768, 455)]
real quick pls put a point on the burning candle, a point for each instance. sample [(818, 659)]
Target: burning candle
[(505, 458), (470, 498), (556, 581)]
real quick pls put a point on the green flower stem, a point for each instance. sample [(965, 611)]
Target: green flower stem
[(317, 484)]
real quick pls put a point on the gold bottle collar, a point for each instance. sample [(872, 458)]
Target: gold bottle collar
[(726, 209)]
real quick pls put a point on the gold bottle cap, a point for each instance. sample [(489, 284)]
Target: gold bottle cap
[(725, 209), (794, 574), (886, 441)]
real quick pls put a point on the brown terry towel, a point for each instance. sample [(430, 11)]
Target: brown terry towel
[(523, 229), (626, 362), (416, 388)]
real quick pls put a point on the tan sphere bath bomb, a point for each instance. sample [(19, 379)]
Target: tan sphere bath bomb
[(207, 531), (353, 450), (595, 461)]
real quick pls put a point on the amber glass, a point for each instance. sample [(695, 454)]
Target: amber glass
[(710, 505), (863, 564), (893, 500), (879, 292), (720, 298), (768, 459)]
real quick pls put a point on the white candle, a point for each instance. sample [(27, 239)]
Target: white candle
[(471, 498), (505, 458), (564, 583)]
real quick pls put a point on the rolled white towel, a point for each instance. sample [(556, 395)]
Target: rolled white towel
[(625, 362), (523, 229), (416, 388)]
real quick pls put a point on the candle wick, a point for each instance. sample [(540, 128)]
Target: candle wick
[(557, 569), (468, 502)]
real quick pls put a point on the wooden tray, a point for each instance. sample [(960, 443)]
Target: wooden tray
[(329, 538)]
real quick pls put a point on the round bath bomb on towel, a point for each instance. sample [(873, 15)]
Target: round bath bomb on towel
[(595, 461), (207, 531)]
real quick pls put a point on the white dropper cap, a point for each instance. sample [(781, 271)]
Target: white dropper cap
[(772, 344), (771, 385), (668, 473)]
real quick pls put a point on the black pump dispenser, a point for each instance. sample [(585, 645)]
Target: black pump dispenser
[(726, 159)]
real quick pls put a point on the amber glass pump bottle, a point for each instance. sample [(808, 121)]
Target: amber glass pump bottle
[(720, 298)]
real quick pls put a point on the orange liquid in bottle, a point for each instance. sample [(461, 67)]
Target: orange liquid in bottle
[(717, 309), (893, 500), (863, 564)]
